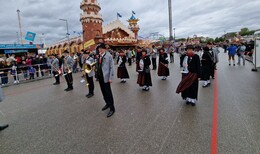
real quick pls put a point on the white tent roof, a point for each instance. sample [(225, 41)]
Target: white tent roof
[(117, 24)]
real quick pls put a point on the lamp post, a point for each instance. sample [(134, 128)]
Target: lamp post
[(67, 31), (174, 34), (170, 19)]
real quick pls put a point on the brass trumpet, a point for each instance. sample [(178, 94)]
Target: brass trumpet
[(88, 67)]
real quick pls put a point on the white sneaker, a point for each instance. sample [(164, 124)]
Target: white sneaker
[(82, 80), (15, 82)]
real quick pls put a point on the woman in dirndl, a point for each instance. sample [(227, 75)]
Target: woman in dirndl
[(189, 85), (144, 77), (163, 69), (122, 72)]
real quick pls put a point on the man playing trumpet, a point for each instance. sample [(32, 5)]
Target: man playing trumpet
[(89, 75), (67, 70)]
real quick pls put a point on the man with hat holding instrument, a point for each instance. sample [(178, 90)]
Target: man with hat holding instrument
[(67, 70), (89, 61), (55, 69), (105, 75)]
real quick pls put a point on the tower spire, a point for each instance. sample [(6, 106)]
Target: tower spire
[(91, 20), (133, 26)]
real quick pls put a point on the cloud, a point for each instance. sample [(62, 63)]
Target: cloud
[(204, 17)]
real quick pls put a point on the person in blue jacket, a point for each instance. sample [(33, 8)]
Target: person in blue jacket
[(231, 53)]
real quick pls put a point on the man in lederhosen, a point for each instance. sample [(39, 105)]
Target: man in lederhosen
[(89, 76), (105, 75), (55, 69), (67, 70)]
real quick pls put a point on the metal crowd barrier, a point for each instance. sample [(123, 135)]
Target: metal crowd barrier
[(15, 75)]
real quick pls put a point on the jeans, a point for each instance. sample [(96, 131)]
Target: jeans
[(243, 58)]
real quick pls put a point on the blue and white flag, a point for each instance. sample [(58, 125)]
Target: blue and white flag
[(119, 15), (77, 32), (30, 36)]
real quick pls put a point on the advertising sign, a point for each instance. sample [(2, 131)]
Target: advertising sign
[(30, 36), (89, 43), (20, 46)]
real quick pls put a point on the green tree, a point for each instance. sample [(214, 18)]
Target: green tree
[(221, 39), (216, 40), (181, 39), (251, 32), (209, 40), (244, 31), (231, 34)]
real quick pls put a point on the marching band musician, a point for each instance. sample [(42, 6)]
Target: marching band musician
[(189, 85), (105, 75), (55, 69), (89, 76), (67, 70), (163, 69), (144, 77), (122, 72), (154, 55)]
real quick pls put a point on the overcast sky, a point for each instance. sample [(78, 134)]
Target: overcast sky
[(201, 17)]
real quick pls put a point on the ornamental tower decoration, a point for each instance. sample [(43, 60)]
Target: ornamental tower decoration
[(133, 25), (91, 21)]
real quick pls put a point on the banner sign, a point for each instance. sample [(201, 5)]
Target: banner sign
[(14, 51), (30, 36), (20, 46), (89, 43)]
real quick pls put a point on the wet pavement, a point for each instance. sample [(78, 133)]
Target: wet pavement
[(43, 118)]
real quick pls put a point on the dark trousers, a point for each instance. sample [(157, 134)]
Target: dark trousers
[(154, 63), (212, 71), (4, 78), (31, 76), (69, 80), (172, 57), (130, 61), (16, 78), (57, 76), (107, 94), (181, 59), (90, 84)]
